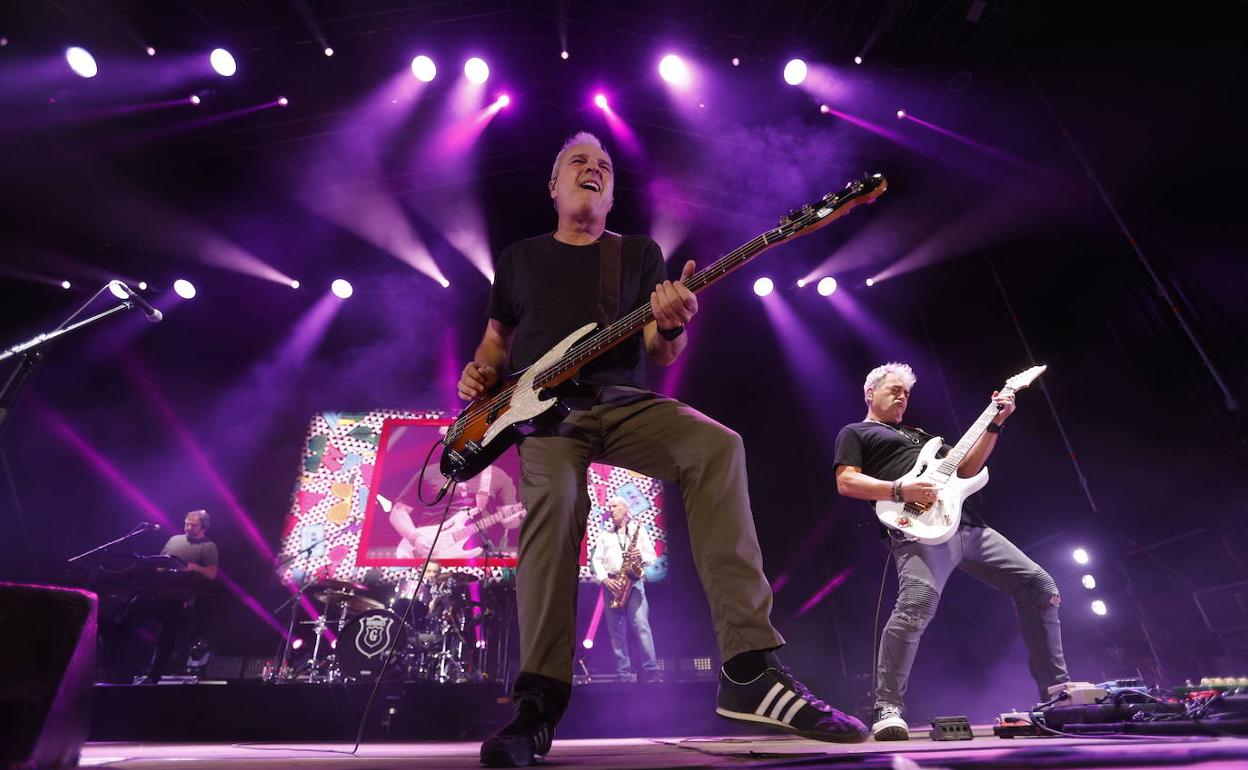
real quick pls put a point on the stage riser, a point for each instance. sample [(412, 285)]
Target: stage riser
[(253, 711)]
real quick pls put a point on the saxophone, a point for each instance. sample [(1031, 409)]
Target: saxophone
[(630, 571)]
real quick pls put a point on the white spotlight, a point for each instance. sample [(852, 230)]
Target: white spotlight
[(445, 283), (282, 101), (195, 99), (764, 286), (588, 644), (81, 62), (149, 51), (801, 283), (1080, 556), (66, 284), (795, 72), (341, 288), (223, 62), (424, 69), (1099, 608), (826, 286), (901, 114), (184, 288), (115, 288), (476, 70), (563, 55), (1089, 582), (857, 60), (870, 281), (142, 285), (825, 109), (736, 62), (672, 69), (329, 51), (294, 283)]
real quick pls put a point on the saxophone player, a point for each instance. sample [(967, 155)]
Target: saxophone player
[(621, 555)]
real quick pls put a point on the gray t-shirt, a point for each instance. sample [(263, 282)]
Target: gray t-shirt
[(201, 552)]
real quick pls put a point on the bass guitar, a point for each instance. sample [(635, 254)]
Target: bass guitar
[(527, 400), (935, 522)]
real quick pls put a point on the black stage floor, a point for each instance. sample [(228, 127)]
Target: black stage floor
[(690, 752)]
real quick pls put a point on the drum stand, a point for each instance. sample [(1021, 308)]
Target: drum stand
[(319, 627)]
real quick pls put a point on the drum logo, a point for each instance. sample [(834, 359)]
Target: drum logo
[(374, 635)]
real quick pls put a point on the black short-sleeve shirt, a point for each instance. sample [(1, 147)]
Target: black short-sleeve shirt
[(546, 289), (888, 452)]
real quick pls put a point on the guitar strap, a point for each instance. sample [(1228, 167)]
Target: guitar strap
[(609, 247)]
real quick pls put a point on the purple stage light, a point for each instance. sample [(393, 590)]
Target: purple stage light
[(342, 288), (870, 282), (149, 51), (563, 55), (822, 593), (736, 62), (1080, 556), (857, 60), (801, 283), (588, 644), (295, 645), (66, 285), (826, 286), (600, 101), (795, 72), (184, 288), (81, 62), (502, 101), (223, 62), (445, 283), (476, 70), (282, 101), (901, 114), (825, 109), (1088, 581), (142, 285), (764, 286), (118, 292), (329, 51), (294, 283), (195, 99), (673, 69), (1099, 608), (424, 69)]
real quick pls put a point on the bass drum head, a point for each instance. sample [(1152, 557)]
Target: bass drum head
[(364, 642)]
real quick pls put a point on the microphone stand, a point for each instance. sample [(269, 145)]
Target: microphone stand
[(132, 533)]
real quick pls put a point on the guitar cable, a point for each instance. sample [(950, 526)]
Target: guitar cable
[(875, 631), (385, 664)]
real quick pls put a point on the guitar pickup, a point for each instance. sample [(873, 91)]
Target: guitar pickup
[(472, 447)]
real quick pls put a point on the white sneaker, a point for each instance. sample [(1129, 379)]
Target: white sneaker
[(887, 724)]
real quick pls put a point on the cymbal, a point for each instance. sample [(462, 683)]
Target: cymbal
[(352, 602), (324, 588)]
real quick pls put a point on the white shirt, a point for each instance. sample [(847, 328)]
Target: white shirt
[(609, 553)]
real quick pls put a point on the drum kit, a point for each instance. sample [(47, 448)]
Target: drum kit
[(434, 629)]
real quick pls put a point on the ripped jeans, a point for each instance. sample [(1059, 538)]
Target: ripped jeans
[(987, 555)]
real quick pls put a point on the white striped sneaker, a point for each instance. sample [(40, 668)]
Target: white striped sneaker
[(776, 699), (887, 724)]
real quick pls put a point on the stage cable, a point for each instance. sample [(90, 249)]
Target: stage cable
[(875, 631), (420, 583)]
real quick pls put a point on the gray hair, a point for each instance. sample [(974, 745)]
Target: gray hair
[(883, 370), (204, 518), (580, 137)]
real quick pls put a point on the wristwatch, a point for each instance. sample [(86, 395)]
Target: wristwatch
[(671, 334), (993, 428)]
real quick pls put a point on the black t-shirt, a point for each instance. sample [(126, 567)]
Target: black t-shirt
[(888, 453), (547, 289)]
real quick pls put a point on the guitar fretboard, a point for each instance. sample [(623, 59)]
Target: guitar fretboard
[(949, 465)]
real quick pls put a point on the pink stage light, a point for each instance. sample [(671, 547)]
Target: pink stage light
[(795, 72), (764, 286), (282, 101), (296, 645), (424, 69), (825, 109), (673, 69), (588, 644), (195, 99), (600, 101), (736, 62), (476, 70), (502, 101), (223, 62), (901, 114)]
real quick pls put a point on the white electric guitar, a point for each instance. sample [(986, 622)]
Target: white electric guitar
[(934, 523), (461, 526)]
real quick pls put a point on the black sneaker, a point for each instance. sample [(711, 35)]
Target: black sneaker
[(776, 699), (887, 724), (527, 738), (540, 702)]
